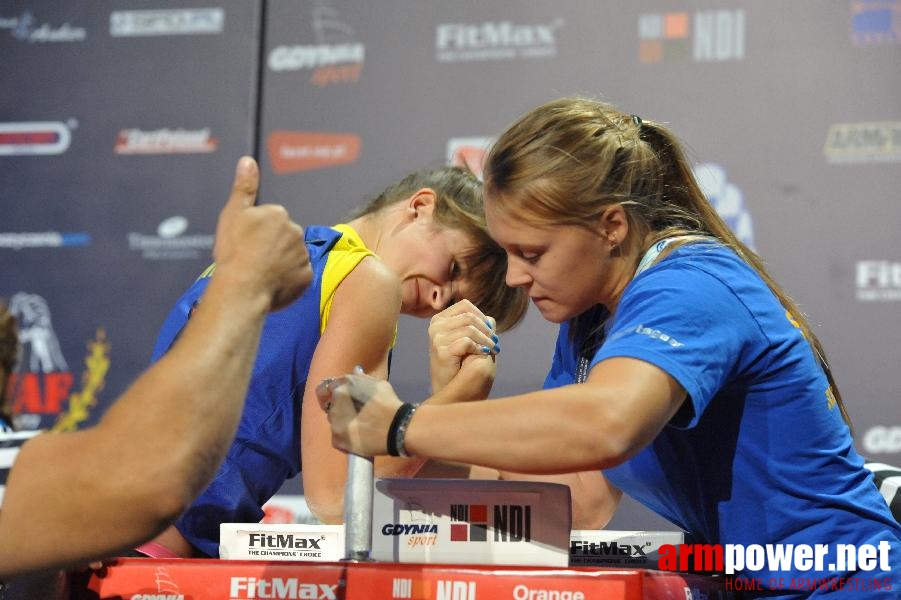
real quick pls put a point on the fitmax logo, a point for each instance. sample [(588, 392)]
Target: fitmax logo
[(455, 42), (280, 588), (262, 540), (608, 549), (878, 281)]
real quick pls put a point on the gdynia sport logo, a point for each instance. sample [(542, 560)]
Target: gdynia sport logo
[(785, 566)]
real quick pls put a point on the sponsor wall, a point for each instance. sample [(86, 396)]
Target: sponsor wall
[(120, 124)]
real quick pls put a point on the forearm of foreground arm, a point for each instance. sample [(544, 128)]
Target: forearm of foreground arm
[(89, 494), (181, 415), (594, 425), (390, 466), (538, 433)]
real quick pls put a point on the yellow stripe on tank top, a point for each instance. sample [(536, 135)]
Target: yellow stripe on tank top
[(342, 259)]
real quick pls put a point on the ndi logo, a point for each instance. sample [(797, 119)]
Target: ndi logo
[(878, 281), (471, 523), (455, 590), (512, 522), (705, 36)]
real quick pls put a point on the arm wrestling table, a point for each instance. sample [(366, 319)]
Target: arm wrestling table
[(439, 572), (196, 579)]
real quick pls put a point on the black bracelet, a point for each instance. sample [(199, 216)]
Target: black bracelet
[(398, 429)]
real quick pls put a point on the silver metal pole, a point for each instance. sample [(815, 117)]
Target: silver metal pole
[(358, 508), (358, 505)]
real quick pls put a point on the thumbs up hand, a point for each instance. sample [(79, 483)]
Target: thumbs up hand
[(261, 245)]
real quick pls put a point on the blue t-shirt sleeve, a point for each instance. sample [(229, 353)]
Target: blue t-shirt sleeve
[(563, 365), (178, 318), (688, 323)]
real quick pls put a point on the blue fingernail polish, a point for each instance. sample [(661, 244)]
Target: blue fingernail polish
[(497, 348), (495, 339), (489, 324), (486, 350)]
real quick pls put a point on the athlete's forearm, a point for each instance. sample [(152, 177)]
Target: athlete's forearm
[(536, 433), (594, 425), (192, 399)]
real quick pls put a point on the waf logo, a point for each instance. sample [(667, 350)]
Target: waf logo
[(42, 382), (39, 137), (510, 522), (704, 36), (293, 151)]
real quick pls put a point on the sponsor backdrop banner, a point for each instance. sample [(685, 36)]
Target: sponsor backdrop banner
[(120, 124)]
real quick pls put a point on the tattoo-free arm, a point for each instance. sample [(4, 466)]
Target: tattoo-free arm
[(594, 425), (360, 331)]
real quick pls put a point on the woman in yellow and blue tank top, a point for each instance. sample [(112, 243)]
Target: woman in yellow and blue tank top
[(416, 249)]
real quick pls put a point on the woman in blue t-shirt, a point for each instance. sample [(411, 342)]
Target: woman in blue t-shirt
[(682, 370)]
